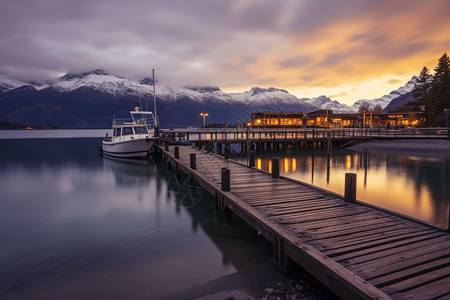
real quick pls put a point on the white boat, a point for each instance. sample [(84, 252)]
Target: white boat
[(132, 138)]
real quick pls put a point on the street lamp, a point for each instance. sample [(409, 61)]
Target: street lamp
[(204, 117), (446, 112)]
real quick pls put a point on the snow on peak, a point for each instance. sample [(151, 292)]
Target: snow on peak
[(258, 90), (323, 102), (205, 89), (386, 99)]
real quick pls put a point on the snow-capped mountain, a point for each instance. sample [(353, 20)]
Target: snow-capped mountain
[(73, 100), (323, 102), (387, 99)]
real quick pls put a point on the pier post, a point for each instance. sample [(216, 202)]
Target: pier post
[(193, 161), (350, 187), (275, 167), (329, 145), (365, 157), (166, 146), (209, 147), (251, 163), (227, 151), (177, 152), (225, 179), (280, 258)]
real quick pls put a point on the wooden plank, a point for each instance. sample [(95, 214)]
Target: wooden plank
[(337, 247), (441, 275), (413, 271), (299, 200), (303, 203), (357, 226), (322, 215), (387, 242), (299, 209), (339, 221), (401, 260), (340, 257), (438, 290), (363, 234)]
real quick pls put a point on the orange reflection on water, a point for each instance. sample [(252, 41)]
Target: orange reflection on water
[(286, 165), (258, 163), (348, 162), (413, 186)]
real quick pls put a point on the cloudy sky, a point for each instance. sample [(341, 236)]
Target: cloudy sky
[(345, 49)]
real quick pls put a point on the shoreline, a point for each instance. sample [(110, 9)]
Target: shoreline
[(427, 147)]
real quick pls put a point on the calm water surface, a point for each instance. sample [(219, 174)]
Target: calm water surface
[(414, 184), (74, 225)]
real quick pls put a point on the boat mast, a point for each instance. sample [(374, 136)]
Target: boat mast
[(154, 98)]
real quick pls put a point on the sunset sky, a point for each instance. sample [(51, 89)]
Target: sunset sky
[(345, 49)]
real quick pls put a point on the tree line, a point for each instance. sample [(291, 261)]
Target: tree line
[(432, 92)]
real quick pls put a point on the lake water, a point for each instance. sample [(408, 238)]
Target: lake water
[(411, 183), (74, 225)]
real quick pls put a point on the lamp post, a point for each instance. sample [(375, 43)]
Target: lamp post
[(446, 112), (204, 117)]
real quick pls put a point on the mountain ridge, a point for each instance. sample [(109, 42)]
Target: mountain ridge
[(75, 94)]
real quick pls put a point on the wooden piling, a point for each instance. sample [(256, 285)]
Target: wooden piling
[(251, 162), (365, 158), (225, 179), (193, 161), (227, 153), (166, 146), (176, 150), (275, 167), (350, 187)]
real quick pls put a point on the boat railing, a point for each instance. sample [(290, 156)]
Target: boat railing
[(148, 121)]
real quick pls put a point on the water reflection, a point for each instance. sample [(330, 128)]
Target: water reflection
[(75, 225), (407, 183)]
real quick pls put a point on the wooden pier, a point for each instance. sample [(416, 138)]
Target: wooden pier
[(298, 135), (358, 251)]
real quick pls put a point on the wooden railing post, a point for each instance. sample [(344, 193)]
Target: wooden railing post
[(350, 187), (251, 162), (275, 167), (225, 179), (193, 161), (177, 152)]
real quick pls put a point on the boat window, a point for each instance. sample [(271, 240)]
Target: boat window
[(127, 131), (116, 131), (140, 130)]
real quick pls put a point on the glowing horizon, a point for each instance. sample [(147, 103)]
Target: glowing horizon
[(346, 50)]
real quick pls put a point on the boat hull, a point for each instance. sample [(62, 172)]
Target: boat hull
[(136, 148)]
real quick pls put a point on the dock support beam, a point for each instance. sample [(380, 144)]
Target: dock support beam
[(280, 258), (225, 179), (176, 152), (251, 162), (350, 187), (275, 167), (193, 160)]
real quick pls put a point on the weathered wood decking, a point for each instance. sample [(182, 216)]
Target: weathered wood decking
[(357, 251)]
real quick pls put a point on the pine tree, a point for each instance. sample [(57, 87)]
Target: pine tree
[(441, 77), (422, 87), (439, 94)]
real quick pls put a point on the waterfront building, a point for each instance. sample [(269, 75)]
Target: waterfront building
[(327, 119)]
